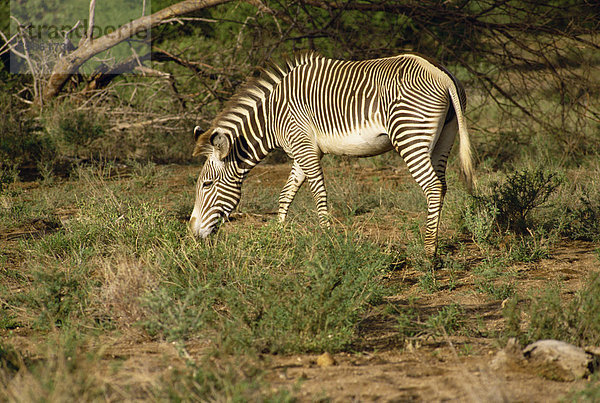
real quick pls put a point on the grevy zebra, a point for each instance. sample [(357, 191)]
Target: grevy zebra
[(313, 106)]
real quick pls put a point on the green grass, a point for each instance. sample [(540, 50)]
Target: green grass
[(114, 257), (233, 380), (448, 320), (313, 292), (250, 294), (551, 317), (589, 393), (121, 260)]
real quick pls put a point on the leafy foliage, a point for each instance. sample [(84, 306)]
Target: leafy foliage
[(511, 203), (504, 217), (22, 142), (580, 219)]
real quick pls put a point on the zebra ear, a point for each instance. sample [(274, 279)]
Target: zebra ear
[(201, 141), (221, 144), (197, 132)]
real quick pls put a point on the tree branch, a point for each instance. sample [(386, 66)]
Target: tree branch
[(69, 64)]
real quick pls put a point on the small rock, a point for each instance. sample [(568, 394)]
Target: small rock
[(325, 360), (557, 360)]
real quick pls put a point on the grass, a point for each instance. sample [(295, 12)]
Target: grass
[(590, 393), (448, 320), (551, 317), (237, 282), (307, 299), (105, 255), (120, 261), (104, 295)]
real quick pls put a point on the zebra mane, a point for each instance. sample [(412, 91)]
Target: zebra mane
[(253, 92)]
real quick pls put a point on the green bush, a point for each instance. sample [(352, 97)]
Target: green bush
[(58, 295), (78, 134), (505, 216), (22, 141), (449, 320), (499, 290), (512, 202), (79, 128), (551, 318), (270, 290), (480, 219), (531, 248), (581, 219)]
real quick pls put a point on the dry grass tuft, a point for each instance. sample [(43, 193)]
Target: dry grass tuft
[(124, 280)]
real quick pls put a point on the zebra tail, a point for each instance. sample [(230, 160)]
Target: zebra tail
[(465, 154)]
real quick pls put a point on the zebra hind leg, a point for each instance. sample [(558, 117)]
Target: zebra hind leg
[(441, 152), (422, 170), (294, 182), (435, 190)]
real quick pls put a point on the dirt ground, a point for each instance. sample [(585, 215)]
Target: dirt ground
[(380, 368), (438, 370)]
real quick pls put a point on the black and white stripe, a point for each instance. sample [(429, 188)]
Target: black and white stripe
[(313, 105)]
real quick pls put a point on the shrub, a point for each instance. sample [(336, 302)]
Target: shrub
[(480, 218), (22, 143), (550, 318), (505, 214), (448, 320), (517, 197), (581, 219), (58, 295), (498, 290), (270, 290), (75, 133)]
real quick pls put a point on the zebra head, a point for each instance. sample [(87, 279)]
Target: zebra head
[(218, 189)]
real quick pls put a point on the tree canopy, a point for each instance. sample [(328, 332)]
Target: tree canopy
[(529, 59)]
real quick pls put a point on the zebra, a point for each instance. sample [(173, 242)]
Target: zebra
[(312, 105)]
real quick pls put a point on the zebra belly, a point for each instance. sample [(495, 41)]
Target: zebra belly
[(366, 142)]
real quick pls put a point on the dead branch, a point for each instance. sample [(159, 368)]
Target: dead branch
[(7, 47), (67, 44), (139, 125), (25, 55), (89, 35), (104, 75), (69, 64)]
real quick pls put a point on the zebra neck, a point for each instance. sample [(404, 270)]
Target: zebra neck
[(248, 154)]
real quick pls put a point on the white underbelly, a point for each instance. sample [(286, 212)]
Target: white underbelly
[(365, 142)]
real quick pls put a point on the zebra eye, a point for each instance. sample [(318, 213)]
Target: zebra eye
[(207, 184)]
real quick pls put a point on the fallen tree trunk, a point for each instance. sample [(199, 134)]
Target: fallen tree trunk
[(70, 63)]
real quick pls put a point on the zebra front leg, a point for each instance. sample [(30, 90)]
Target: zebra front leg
[(317, 187), (309, 161), (294, 182)]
